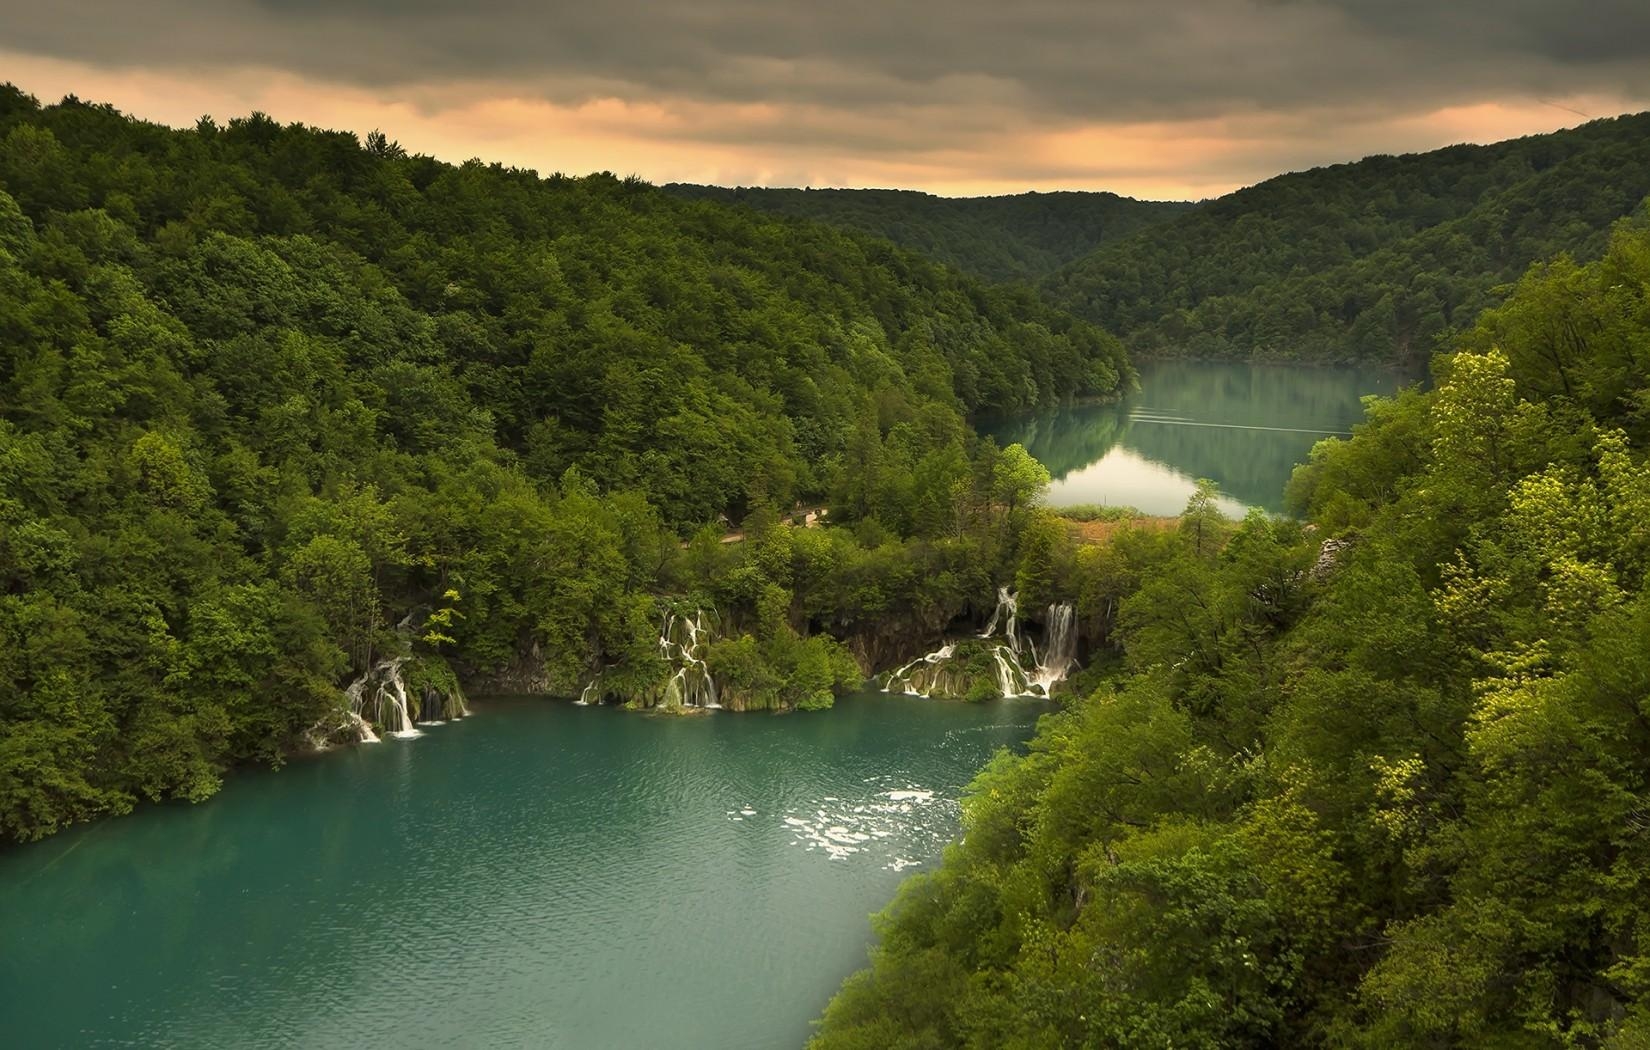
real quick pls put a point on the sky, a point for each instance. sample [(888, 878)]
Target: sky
[(1167, 99)]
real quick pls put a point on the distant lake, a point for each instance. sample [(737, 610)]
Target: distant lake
[(1243, 426)]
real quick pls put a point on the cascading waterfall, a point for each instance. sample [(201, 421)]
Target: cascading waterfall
[(387, 697), (362, 728), (1007, 610), (355, 693), (1019, 670), (901, 679), (591, 695), (1012, 679), (388, 694), (682, 642), (435, 708), (1059, 646)]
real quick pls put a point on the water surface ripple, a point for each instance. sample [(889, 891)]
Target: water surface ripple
[(540, 875)]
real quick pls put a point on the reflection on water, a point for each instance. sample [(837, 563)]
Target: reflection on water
[(1244, 426)]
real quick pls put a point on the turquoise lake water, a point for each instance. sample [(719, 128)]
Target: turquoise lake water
[(539, 875)]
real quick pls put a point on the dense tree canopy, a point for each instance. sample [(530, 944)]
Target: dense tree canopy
[(1373, 261), (275, 403), (1388, 790), (1022, 237)]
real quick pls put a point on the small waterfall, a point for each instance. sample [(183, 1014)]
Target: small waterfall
[(388, 693), (362, 728), (900, 680), (954, 668), (1016, 653), (381, 702), (591, 695), (682, 642), (1059, 646), (430, 708), (395, 690), (1011, 677), (1007, 611)]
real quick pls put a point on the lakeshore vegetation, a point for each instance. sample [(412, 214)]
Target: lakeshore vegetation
[(269, 392), (1386, 791), (276, 402)]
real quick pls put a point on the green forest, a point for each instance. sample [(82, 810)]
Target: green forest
[(1021, 237), (276, 403), (1383, 260), (1377, 780), (282, 409)]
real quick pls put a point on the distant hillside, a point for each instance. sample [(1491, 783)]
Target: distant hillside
[(1370, 261), (1022, 237)]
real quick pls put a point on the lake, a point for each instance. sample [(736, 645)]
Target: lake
[(539, 875), (1244, 426)]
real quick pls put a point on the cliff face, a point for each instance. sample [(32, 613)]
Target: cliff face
[(526, 675)]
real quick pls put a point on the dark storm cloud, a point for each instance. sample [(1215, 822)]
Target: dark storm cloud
[(1592, 31), (1048, 60)]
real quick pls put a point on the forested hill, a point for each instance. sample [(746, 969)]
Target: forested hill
[(266, 391), (1372, 261), (1390, 792), (592, 322), (1022, 237)]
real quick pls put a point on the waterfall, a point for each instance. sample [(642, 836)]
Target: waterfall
[(395, 690), (362, 727), (1008, 610), (430, 712), (1018, 669), (902, 676), (1014, 654), (1059, 646), (682, 642), (388, 693), (591, 695), (1012, 679), (380, 702)]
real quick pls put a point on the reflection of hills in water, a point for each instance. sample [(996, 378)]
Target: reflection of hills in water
[(1245, 426), (1066, 439)]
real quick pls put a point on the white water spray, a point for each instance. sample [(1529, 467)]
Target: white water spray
[(388, 696), (1020, 671), (591, 695), (1059, 646), (901, 679), (682, 645), (362, 728)]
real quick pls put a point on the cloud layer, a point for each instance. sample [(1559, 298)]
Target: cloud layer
[(1153, 98)]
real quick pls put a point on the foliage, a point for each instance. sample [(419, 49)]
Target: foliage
[(275, 404), (1022, 237), (1382, 260), (1389, 791)]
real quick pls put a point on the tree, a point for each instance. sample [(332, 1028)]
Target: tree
[(1017, 479)]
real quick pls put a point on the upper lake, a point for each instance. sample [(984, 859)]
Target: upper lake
[(1243, 426)]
